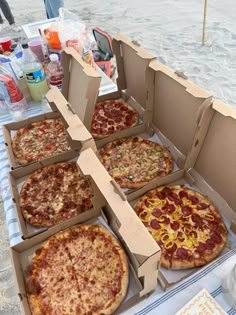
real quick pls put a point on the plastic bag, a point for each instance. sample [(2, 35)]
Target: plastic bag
[(11, 97), (73, 33)]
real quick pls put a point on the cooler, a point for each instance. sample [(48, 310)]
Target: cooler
[(104, 53)]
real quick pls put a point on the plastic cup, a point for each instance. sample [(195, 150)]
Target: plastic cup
[(6, 43), (229, 288), (36, 47)]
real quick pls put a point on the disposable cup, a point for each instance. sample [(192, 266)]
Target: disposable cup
[(36, 47), (5, 42)]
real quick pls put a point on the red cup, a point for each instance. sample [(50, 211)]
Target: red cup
[(5, 42)]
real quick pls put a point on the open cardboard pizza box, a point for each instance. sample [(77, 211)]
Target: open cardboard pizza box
[(61, 108), (174, 107), (114, 212), (210, 168), (80, 85), (132, 62)]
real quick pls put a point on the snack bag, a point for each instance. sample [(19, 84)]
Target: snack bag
[(73, 33)]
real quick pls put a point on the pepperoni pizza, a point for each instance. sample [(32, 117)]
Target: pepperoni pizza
[(111, 116), (185, 224), (81, 270)]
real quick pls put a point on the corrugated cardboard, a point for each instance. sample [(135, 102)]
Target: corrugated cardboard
[(78, 134), (17, 178), (80, 85), (144, 251), (211, 169), (174, 108)]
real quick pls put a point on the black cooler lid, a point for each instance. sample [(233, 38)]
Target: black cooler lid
[(104, 41)]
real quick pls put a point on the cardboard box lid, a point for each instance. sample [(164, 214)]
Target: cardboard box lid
[(215, 160), (80, 85), (177, 104), (74, 126), (132, 62), (134, 233)]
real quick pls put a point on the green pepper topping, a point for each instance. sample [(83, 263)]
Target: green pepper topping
[(130, 177)]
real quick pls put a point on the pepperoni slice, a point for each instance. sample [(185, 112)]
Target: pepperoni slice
[(117, 119), (193, 199), (202, 206), (174, 225), (172, 249), (201, 247), (171, 208), (210, 244), (197, 219), (143, 215), (154, 224), (166, 191), (161, 195), (172, 196), (157, 212), (186, 210), (216, 238), (166, 220), (182, 253), (183, 194)]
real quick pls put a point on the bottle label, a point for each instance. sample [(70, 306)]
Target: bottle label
[(35, 76)]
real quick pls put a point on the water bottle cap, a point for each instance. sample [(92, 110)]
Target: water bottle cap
[(54, 57), (25, 45)]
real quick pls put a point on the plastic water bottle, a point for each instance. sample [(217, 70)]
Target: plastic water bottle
[(54, 72), (34, 74)]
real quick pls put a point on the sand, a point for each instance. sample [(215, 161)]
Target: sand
[(171, 29)]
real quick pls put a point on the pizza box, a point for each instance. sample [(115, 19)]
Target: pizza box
[(17, 178), (142, 251), (175, 106), (131, 62), (80, 85), (202, 303), (210, 169), (77, 133)]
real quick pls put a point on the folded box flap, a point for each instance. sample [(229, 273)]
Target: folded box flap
[(75, 128), (216, 160), (81, 84), (176, 103), (133, 232), (132, 61)]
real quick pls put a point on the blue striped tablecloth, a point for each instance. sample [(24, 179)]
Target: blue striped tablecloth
[(162, 303), (10, 211)]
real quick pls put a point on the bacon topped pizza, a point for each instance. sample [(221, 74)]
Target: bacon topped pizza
[(54, 193), (185, 224)]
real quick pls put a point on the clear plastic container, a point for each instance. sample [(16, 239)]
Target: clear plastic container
[(34, 74), (54, 72), (229, 288)]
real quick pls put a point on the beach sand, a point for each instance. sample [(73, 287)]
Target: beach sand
[(171, 29)]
